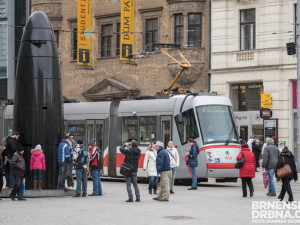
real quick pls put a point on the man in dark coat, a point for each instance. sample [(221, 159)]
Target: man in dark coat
[(287, 157), (256, 150), (132, 156)]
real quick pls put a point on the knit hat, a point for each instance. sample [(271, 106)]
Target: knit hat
[(91, 143), (160, 144), (66, 137), (39, 147), (80, 142), (20, 148)]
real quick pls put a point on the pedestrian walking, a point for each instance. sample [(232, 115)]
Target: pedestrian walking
[(193, 162), (174, 163), (163, 170), (264, 146), (270, 160), (1, 168), (64, 158), (11, 147), (132, 156), (150, 166), (96, 163), (256, 150), (18, 169), (81, 160), (6, 165), (37, 165), (287, 157), (247, 171)]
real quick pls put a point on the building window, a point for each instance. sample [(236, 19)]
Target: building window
[(151, 33), (74, 44), (178, 31), (56, 33), (118, 39), (194, 29), (3, 49), (106, 40), (246, 97), (247, 22)]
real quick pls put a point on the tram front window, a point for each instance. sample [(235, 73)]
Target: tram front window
[(216, 123)]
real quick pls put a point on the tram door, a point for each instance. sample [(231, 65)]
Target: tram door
[(94, 131), (166, 134)]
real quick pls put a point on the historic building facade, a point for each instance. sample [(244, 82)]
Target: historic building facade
[(183, 22)]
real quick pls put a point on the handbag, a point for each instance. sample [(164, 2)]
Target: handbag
[(126, 169), (284, 171), (266, 179), (240, 162)]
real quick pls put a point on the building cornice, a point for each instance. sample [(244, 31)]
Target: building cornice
[(180, 1), (107, 16), (151, 9)]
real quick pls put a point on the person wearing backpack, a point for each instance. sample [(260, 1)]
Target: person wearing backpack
[(174, 163), (96, 163), (81, 160), (193, 162)]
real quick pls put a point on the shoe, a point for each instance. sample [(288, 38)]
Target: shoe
[(138, 200), (84, 195), (171, 192), (163, 200), (22, 199), (192, 188), (93, 195), (244, 196), (129, 200), (279, 199), (155, 191), (34, 185), (12, 197), (150, 189), (5, 188), (271, 194), (251, 194), (39, 185), (156, 198), (76, 196)]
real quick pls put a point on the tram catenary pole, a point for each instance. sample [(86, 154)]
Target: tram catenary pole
[(298, 81)]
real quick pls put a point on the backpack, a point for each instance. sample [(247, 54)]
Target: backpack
[(4, 141), (99, 158), (84, 157)]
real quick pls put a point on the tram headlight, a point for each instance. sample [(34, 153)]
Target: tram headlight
[(209, 157)]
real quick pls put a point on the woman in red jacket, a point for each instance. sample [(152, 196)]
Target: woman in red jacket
[(247, 171)]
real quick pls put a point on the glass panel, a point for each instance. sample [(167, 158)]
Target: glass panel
[(166, 132), (74, 43), (151, 33), (3, 49), (147, 129), (99, 135), (78, 132), (194, 31), (129, 129), (2, 9), (258, 132), (248, 15), (106, 40), (9, 127), (178, 36), (188, 129), (118, 39), (216, 123), (247, 28), (90, 132)]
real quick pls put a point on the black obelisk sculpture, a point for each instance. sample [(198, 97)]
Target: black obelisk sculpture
[(38, 112)]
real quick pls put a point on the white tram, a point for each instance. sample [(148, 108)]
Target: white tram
[(208, 119)]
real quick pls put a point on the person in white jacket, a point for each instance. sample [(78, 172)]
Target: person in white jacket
[(174, 163), (150, 166)]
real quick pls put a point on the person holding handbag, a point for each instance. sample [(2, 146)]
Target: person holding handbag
[(247, 171), (132, 156), (287, 158), (150, 165)]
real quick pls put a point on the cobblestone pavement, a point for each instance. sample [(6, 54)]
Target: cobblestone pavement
[(212, 203)]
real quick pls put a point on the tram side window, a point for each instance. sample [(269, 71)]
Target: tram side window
[(129, 129), (78, 132), (147, 129), (188, 129)]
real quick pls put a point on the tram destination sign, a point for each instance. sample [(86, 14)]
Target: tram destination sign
[(265, 113)]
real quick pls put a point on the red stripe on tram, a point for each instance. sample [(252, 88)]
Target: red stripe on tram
[(221, 166)]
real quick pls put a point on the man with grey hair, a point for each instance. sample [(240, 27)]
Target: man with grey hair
[(270, 159)]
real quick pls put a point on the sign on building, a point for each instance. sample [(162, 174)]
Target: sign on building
[(270, 128), (84, 33), (127, 30), (266, 101)]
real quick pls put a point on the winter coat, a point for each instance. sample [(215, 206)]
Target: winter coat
[(11, 146), (1, 163), (18, 163), (37, 161), (255, 148), (270, 157), (150, 163), (193, 156), (162, 161), (289, 159), (64, 152), (132, 156), (249, 166), (174, 157), (96, 159), (81, 157)]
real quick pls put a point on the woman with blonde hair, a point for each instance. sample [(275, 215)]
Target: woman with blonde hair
[(150, 166)]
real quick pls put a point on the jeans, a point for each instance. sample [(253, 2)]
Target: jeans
[(18, 186), (7, 172), (70, 180), (1, 183), (172, 179), (164, 192), (247, 181), (271, 189), (37, 174), (286, 187), (97, 188), (11, 177), (153, 181), (62, 173), (194, 176), (132, 179), (81, 176)]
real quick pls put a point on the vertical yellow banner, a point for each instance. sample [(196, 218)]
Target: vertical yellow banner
[(84, 32), (127, 30)]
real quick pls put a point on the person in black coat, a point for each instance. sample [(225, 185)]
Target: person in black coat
[(256, 151), (132, 156), (287, 157)]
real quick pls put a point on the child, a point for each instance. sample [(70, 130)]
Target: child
[(37, 164)]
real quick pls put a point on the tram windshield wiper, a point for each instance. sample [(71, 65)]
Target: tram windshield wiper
[(229, 136)]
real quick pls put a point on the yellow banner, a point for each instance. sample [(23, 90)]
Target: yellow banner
[(127, 30), (266, 101), (84, 32)]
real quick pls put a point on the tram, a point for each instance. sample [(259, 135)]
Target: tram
[(207, 119)]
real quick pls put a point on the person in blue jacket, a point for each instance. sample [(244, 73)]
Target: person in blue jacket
[(64, 158), (193, 162), (163, 171)]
